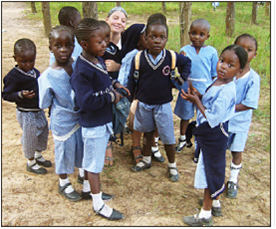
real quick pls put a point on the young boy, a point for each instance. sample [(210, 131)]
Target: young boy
[(21, 87), (204, 60), (69, 16)]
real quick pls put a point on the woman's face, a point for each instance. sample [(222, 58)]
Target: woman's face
[(117, 22)]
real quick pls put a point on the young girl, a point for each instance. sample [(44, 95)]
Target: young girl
[(154, 94), (215, 107), (247, 97), (20, 87), (55, 90), (94, 96)]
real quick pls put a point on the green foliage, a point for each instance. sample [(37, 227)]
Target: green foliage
[(243, 11)]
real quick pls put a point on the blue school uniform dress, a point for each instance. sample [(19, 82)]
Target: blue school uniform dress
[(154, 93), (94, 95), (56, 91), (212, 137), (203, 69), (77, 51), (247, 93), (31, 118)]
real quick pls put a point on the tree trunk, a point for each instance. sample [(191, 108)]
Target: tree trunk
[(164, 7), (90, 10), (118, 3), (267, 9), (230, 19), (46, 18), (33, 8), (185, 11), (254, 13)]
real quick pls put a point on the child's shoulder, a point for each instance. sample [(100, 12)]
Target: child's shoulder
[(254, 74)]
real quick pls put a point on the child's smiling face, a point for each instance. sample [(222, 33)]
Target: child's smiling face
[(228, 65), (198, 34), (156, 39), (62, 46)]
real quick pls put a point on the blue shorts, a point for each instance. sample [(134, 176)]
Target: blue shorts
[(149, 117), (236, 141), (95, 141), (69, 153), (184, 109), (200, 175)]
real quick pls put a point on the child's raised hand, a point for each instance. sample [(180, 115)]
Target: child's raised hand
[(28, 94), (190, 96), (118, 97), (112, 66), (183, 53)]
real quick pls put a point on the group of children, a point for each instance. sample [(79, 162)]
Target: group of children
[(79, 93)]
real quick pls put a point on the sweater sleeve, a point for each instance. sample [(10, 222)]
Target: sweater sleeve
[(183, 64), (131, 84), (10, 91), (87, 98)]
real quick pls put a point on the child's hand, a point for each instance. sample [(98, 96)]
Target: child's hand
[(28, 94), (112, 66), (118, 97), (118, 85), (190, 96), (183, 53), (193, 90)]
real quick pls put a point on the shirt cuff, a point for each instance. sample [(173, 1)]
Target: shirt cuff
[(113, 96), (20, 95)]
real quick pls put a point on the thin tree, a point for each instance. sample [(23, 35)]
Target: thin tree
[(164, 7), (46, 18), (254, 13), (118, 3), (267, 9), (230, 19), (33, 8), (90, 10), (185, 12)]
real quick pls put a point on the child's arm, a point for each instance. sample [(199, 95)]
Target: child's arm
[(131, 85), (241, 107), (45, 92)]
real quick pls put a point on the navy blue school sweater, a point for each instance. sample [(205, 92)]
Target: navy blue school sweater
[(14, 83), (94, 92), (155, 85)]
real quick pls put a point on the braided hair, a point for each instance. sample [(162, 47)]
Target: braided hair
[(22, 45), (58, 29), (249, 36), (156, 19), (240, 52), (85, 28)]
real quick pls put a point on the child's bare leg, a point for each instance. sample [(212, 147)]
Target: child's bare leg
[(170, 151), (136, 147), (155, 153), (232, 184), (182, 138), (108, 155), (145, 163)]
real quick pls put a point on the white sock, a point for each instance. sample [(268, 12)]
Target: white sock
[(235, 169), (146, 159), (156, 150), (216, 203), (86, 186), (32, 162), (205, 214), (182, 137), (81, 172), (63, 182), (98, 203), (37, 155), (156, 139), (172, 171)]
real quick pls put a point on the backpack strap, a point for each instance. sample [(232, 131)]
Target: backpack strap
[(137, 66), (173, 64)]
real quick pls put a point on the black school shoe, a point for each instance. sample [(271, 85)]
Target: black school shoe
[(116, 215), (36, 171), (72, 196), (80, 179), (45, 163), (87, 196), (216, 211)]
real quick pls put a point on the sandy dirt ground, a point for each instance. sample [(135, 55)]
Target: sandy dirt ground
[(147, 198)]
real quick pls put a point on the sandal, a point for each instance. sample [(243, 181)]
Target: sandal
[(138, 157), (108, 160), (136, 168), (173, 177)]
